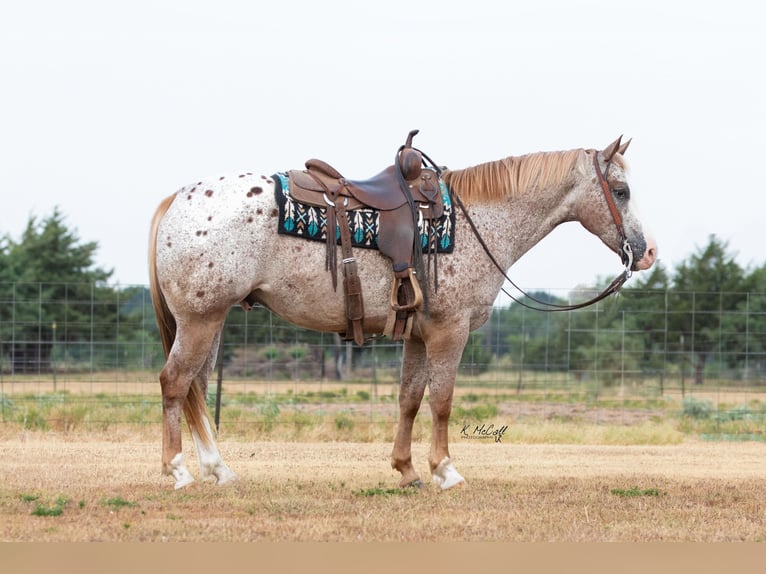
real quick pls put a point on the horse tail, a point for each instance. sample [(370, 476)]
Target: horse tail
[(166, 323), (195, 406)]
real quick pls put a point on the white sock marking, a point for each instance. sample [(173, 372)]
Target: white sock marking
[(179, 471), (445, 475), (210, 461)]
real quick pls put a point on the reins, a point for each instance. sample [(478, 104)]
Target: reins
[(612, 288)]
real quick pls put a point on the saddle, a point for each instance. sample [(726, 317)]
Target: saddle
[(401, 194)]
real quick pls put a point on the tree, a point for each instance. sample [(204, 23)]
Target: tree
[(476, 358), (645, 302), (511, 327), (705, 287), (753, 309), (602, 341), (50, 292)]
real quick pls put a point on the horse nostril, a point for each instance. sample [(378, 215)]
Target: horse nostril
[(649, 257)]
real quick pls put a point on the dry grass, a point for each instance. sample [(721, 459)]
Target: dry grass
[(565, 471), (113, 491)]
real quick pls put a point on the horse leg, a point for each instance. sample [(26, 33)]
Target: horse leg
[(210, 461), (445, 348), (188, 355), (413, 384)]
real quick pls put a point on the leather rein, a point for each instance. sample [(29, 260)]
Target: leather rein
[(626, 252)]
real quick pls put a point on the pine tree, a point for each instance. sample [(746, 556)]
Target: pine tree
[(707, 289), (50, 292)]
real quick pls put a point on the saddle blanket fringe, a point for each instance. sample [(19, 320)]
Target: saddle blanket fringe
[(310, 222)]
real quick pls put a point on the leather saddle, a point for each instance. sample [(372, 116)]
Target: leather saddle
[(402, 194)]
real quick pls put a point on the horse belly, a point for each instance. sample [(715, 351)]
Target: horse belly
[(296, 286)]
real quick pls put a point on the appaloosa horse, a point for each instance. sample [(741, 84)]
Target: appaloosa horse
[(214, 244)]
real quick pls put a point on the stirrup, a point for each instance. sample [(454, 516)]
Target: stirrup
[(401, 315), (397, 284)]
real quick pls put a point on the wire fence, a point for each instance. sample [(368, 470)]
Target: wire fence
[(89, 356)]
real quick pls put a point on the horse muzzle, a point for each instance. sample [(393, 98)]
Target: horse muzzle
[(640, 256)]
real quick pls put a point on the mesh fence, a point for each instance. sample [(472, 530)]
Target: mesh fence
[(88, 356)]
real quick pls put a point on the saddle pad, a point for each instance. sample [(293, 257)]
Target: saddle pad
[(310, 222)]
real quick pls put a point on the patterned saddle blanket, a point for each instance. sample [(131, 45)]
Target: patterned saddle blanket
[(310, 222)]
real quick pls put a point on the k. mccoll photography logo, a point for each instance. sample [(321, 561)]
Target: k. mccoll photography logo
[(483, 431)]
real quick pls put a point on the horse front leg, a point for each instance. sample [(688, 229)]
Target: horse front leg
[(445, 346), (413, 383)]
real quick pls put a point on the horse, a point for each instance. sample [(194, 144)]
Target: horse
[(213, 244)]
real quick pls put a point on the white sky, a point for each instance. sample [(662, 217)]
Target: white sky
[(107, 107)]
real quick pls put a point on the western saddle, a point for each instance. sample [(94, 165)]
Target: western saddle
[(401, 194)]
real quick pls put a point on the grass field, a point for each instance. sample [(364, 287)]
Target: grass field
[(348, 411), (83, 464), (77, 488)]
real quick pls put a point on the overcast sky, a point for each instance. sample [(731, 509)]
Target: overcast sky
[(107, 107)]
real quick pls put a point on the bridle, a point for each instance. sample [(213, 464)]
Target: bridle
[(626, 252)]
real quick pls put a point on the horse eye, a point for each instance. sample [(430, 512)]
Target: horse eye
[(622, 193)]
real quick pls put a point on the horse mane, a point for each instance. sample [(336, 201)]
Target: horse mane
[(512, 176)]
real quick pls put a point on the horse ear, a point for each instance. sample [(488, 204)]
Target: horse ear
[(611, 149), (624, 147)]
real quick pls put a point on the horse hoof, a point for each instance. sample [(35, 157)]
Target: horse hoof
[(450, 483), (226, 479), (183, 482), (179, 471), (417, 484), (445, 475)]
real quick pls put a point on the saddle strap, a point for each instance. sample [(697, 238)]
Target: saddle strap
[(331, 257), (352, 284), (331, 253)]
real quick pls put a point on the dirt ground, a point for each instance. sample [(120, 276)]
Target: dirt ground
[(113, 491)]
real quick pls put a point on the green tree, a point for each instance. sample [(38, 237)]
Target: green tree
[(706, 287), (516, 326), (51, 293), (645, 302), (476, 359), (601, 341), (753, 308), (136, 341)]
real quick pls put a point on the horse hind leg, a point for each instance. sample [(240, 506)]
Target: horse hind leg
[(182, 394), (210, 460), (175, 386)]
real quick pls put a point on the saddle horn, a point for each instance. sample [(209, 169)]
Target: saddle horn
[(410, 160), (410, 135)]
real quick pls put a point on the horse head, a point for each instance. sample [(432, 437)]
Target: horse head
[(607, 210)]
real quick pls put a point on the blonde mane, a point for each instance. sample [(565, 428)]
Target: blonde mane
[(512, 176)]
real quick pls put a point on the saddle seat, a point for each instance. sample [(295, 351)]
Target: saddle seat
[(382, 191), (401, 194)]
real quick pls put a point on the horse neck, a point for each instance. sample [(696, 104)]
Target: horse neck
[(524, 197)]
